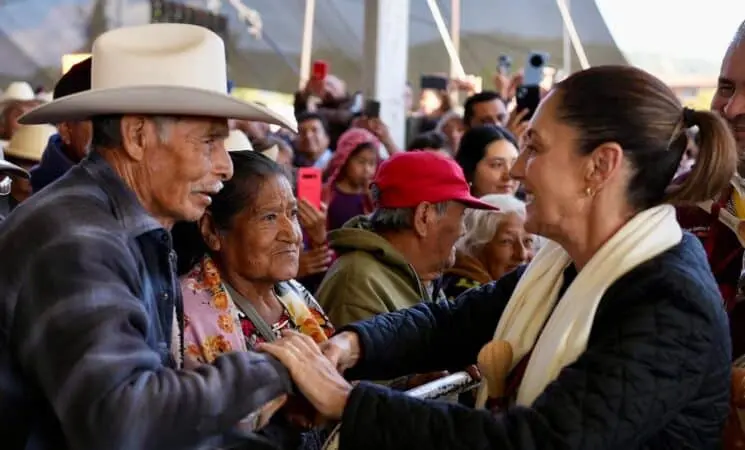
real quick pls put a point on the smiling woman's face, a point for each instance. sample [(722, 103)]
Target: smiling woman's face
[(552, 173), (263, 241)]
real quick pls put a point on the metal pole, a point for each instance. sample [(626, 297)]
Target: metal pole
[(567, 45), (455, 32), (307, 43), (573, 36), (442, 29)]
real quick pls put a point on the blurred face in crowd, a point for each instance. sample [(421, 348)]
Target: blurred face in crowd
[(429, 102), (263, 240), (492, 174), (360, 167), (177, 168), (492, 112), (510, 247), (729, 99), (76, 136), (312, 138), (20, 188), (11, 113), (453, 130)]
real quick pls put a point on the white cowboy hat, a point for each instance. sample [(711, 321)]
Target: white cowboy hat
[(18, 91), (237, 141), (29, 142), (45, 97), (160, 68)]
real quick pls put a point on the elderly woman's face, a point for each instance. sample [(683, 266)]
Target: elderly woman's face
[(263, 242), (552, 172), (184, 170), (510, 247)]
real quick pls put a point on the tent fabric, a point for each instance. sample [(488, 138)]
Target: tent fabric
[(35, 33)]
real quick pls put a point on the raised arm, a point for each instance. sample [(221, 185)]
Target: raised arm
[(431, 336), (82, 337), (645, 363)]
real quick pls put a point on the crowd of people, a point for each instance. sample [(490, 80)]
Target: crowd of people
[(167, 285)]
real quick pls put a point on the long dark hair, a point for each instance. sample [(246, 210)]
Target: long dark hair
[(250, 171), (473, 144)]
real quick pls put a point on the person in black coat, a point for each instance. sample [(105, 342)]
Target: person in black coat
[(614, 337)]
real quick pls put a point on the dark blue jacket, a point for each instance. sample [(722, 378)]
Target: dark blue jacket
[(89, 292), (655, 375), (54, 163)]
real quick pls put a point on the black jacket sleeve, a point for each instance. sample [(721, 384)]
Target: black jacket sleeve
[(646, 360), (431, 336)]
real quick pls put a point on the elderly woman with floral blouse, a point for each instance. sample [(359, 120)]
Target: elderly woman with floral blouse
[(238, 263)]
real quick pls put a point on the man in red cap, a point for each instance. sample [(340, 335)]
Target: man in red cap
[(387, 261)]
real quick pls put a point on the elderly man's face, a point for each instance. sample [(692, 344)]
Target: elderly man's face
[(182, 171), (77, 138), (729, 99)]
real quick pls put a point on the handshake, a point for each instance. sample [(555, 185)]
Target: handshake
[(317, 372)]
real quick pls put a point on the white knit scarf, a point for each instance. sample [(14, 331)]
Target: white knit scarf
[(564, 338)]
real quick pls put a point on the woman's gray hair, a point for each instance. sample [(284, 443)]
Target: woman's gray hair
[(481, 225)]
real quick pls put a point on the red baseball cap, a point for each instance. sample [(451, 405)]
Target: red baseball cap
[(407, 179)]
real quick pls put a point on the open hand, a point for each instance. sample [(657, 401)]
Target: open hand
[(315, 376), (313, 221)]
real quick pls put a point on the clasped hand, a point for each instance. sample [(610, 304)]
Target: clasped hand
[(317, 370)]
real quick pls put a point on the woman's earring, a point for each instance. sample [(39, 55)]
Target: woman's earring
[(588, 191)]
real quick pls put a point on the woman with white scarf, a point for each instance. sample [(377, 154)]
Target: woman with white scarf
[(614, 337)]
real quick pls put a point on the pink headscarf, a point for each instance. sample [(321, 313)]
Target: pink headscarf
[(347, 143)]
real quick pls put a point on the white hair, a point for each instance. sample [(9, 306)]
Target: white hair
[(481, 225)]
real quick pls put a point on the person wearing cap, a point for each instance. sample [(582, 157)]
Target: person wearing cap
[(387, 261), (24, 150), (70, 144), (91, 300), (8, 171), (17, 99)]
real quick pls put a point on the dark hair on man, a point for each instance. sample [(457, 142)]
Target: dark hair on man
[(473, 144), (430, 139), (306, 116), (480, 97), (250, 171), (645, 118)]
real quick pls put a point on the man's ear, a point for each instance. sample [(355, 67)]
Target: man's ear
[(424, 215), (210, 233), (138, 133)]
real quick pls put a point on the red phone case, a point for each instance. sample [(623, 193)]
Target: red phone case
[(320, 69), (309, 185)]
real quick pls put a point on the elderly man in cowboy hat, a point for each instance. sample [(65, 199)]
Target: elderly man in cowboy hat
[(90, 298)]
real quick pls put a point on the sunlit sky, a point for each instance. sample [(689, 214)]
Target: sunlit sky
[(699, 29)]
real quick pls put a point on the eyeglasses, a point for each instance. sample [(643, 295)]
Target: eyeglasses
[(5, 186)]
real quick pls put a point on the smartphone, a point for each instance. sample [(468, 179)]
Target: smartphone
[(433, 82), (504, 64), (320, 69), (372, 109), (309, 184), (534, 68)]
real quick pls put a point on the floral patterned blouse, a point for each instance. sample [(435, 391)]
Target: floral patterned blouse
[(214, 324)]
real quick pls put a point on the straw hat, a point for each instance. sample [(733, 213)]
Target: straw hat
[(237, 141), (29, 142), (160, 68), (18, 91)]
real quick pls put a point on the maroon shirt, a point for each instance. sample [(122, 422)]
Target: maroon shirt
[(725, 254)]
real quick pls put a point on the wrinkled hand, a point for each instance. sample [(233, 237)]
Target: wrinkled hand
[(516, 123), (343, 350), (313, 373), (313, 261), (313, 221)]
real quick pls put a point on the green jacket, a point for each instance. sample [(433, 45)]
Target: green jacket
[(368, 278)]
